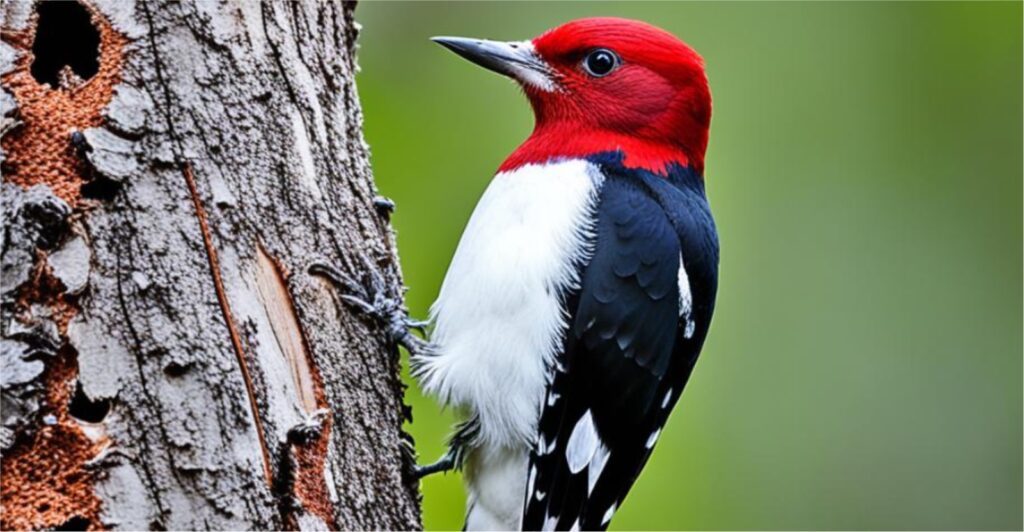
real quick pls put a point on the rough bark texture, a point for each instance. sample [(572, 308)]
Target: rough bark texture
[(168, 361)]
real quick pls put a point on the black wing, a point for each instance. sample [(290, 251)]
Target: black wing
[(628, 349)]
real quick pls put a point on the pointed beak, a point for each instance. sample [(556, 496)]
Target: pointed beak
[(517, 60)]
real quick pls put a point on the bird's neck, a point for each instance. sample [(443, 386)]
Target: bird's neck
[(563, 140)]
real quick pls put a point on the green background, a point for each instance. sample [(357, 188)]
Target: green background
[(864, 367)]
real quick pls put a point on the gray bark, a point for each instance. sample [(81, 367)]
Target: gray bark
[(166, 293)]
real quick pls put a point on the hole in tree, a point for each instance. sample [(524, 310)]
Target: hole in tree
[(75, 523), (175, 369), (85, 409), (65, 37), (101, 188)]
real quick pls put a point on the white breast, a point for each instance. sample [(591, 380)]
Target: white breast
[(499, 316)]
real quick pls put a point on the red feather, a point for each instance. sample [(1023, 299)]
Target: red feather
[(655, 108)]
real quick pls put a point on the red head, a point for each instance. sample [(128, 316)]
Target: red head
[(605, 84)]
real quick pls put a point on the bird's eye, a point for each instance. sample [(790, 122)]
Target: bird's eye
[(600, 62)]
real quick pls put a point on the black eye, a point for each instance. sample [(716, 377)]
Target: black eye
[(600, 62)]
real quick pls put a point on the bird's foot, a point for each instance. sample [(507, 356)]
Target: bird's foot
[(372, 299), (445, 464), (460, 442)]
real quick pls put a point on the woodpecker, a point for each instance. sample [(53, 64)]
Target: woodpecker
[(582, 289)]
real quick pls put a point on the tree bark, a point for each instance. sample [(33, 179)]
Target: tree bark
[(168, 361)]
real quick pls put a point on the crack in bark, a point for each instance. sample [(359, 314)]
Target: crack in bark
[(211, 252), (229, 320), (154, 486), (285, 78)]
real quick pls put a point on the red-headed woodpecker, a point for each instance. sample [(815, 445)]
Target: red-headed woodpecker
[(582, 289), (583, 286)]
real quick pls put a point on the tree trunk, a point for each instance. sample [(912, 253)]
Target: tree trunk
[(171, 171)]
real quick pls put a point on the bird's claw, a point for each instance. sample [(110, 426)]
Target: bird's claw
[(361, 304), (419, 325), (464, 437), (353, 291), (373, 300), (445, 464)]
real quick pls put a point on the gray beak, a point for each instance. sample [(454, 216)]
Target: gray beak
[(518, 60)]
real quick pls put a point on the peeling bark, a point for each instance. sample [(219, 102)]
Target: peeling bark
[(168, 361)]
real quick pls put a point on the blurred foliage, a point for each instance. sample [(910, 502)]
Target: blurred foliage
[(864, 367)]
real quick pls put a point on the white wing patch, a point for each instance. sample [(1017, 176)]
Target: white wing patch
[(597, 466), (685, 300), (668, 397), (608, 515), (652, 439), (531, 481), (583, 443), (585, 450)]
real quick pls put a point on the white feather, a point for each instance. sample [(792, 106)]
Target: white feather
[(499, 316), (685, 299), (597, 466), (531, 481), (496, 485), (608, 515), (544, 448), (530, 76), (652, 439), (582, 444)]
